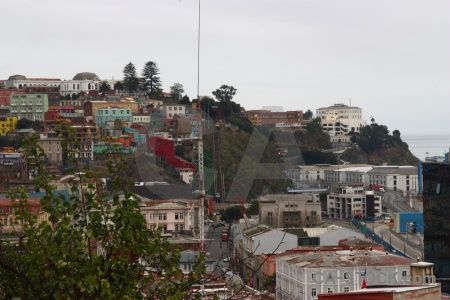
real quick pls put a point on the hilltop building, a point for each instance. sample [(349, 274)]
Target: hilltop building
[(339, 120)]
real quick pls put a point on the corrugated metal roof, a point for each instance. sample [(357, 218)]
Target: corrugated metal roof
[(346, 258)]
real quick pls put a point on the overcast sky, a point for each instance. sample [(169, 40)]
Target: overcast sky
[(389, 57)]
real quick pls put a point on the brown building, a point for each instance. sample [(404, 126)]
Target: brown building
[(267, 117), (90, 107), (86, 135), (285, 211), (51, 91)]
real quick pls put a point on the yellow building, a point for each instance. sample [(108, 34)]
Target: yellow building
[(7, 124)]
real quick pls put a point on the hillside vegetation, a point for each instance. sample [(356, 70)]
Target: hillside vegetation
[(374, 145)]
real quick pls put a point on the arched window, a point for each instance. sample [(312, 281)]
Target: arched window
[(89, 86)]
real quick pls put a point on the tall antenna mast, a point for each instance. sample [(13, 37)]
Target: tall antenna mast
[(201, 186)]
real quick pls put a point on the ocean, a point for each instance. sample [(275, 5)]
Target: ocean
[(435, 145)]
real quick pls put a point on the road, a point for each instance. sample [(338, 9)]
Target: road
[(217, 249)]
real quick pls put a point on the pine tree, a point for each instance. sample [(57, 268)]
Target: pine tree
[(152, 80), (130, 80)]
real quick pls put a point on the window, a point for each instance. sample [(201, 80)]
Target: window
[(178, 216), (346, 275), (404, 274), (329, 290), (313, 276), (346, 289), (313, 292)]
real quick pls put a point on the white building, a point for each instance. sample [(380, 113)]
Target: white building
[(395, 178), (353, 201), (303, 276), (81, 82), (339, 120), (172, 216), (170, 110), (349, 174)]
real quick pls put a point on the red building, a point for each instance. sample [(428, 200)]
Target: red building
[(5, 95), (166, 149)]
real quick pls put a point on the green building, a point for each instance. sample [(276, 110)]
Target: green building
[(28, 106)]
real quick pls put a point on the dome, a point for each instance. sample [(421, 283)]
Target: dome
[(17, 77), (86, 76)]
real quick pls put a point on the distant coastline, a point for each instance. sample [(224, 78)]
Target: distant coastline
[(434, 144)]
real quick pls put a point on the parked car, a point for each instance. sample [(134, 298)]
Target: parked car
[(226, 259)]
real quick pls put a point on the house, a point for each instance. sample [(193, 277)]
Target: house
[(21, 133), (7, 212), (188, 260), (257, 240), (171, 110), (51, 144), (172, 216), (7, 123)]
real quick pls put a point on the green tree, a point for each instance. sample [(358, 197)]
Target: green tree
[(130, 80), (104, 87), (232, 214), (176, 91), (185, 100), (254, 208), (150, 73), (157, 94), (89, 247), (307, 115), (118, 86), (225, 93), (24, 124)]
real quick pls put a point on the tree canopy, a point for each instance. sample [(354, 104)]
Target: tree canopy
[(232, 214), (150, 72), (224, 93), (104, 87), (176, 92), (93, 244), (130, 80)]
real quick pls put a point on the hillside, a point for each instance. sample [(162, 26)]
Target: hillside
[(374, 145)]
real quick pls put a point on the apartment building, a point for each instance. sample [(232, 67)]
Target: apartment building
[(29, 106), (339, 120), (112, 114), (91, 107), (354, 201)]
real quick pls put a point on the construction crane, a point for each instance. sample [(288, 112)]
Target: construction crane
[(244, 213)]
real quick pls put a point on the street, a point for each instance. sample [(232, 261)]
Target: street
[(217, 249)]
